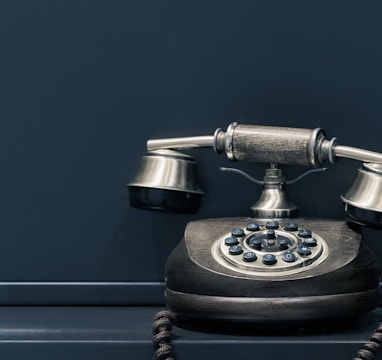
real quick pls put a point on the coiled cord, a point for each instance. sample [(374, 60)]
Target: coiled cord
[(162, 331), (370, 349), (162, 325)]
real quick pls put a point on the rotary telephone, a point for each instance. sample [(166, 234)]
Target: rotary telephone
[(276, 267)]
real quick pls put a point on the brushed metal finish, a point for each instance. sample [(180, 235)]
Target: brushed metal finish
[(181, 143), (163, 168), (274, 201), (264, 144), (229, 140), (357, 154), (268, 144), (366, 189), (167, 169)]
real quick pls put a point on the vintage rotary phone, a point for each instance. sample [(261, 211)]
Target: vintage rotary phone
[(275, 267)]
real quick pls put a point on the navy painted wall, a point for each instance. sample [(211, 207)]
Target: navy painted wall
[(84, 84)]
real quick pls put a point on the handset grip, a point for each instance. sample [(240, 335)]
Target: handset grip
[(271, 144)]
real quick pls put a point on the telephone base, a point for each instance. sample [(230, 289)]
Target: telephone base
[(315, 270), (273, 311)]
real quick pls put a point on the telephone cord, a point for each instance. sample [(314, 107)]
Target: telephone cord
[(162, 325), (164, 320), (370, 349)]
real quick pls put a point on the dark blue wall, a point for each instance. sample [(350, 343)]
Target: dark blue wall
[(83, 84)]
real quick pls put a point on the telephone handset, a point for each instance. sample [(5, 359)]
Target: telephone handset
[(274, 267)]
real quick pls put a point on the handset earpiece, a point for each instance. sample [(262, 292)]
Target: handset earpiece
[(167, 181), (363, 200)]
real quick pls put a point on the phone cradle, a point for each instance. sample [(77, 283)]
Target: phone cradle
[(275, 271)]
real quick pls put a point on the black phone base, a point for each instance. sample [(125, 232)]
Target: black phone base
[(278, 312), (274, 272)]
